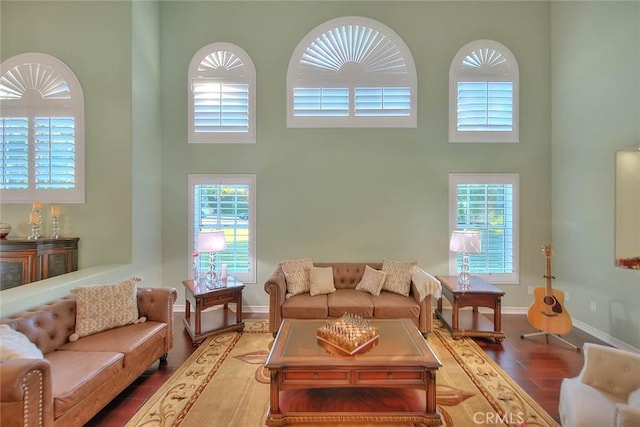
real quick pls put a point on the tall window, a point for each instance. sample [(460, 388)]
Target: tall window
[(225, 202), (483, 94), (352, 72), (41, 131), (222, 95), (487, 203)]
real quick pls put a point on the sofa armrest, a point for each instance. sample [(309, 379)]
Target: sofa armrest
[(26, 397), (627, 416), (610, 369), (276, 287), (156, 304)]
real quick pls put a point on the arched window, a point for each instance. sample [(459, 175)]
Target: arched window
[(351, 72), (483, 94), (222, 95), (41, 131)]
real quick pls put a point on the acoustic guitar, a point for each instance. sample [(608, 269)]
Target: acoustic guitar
[(547, 312)]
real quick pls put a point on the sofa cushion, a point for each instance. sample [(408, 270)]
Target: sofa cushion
[(321, 281), (389, 305), (15, 345), (350, 301), (583, 406), (398, 276), (372, 281), (104, 307), (77, 374), (305, 306), (136, 342), (634, 398), (296, 273)]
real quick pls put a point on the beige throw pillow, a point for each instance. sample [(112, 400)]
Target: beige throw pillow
[(103, 307), (372, 281), (398, 276), (321, 279), (296, 273)]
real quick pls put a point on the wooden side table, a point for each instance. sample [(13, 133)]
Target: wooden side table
[(210, 322), (478, 294)]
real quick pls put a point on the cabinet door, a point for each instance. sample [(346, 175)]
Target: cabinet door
[(57, 261), (18, 268)]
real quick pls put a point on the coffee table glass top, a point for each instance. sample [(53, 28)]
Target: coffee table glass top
[(399, 340)]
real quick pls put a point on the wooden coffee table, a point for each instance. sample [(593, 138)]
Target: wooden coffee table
[(478, 293), (394, 382)]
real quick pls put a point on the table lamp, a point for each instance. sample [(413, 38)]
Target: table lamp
[(465, 242), (211, 242)]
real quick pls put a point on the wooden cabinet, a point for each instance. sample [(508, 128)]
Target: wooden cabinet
[(24, 261)]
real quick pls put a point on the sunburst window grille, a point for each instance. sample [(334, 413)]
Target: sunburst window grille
[(352, 71), (483, 94), (41, 131), (221, 95)]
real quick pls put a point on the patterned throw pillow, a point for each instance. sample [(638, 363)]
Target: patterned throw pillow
[(296, 273), (103, 307), (398, 276), (372, 281)]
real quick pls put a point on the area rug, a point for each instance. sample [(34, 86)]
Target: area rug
[(224, 384)]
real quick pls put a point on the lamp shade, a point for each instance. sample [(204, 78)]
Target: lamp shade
[(466, 242), (211, 241)]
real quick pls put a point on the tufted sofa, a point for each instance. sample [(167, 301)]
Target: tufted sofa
[(346, 276), (75, 380), (606, 392)]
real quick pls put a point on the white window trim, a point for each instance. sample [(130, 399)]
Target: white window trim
[(352, 80), (246, 74), (248, 179), (74, 106), (487, 178), (455, 75)]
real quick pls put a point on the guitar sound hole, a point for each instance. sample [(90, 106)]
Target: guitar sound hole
[(549, 300)]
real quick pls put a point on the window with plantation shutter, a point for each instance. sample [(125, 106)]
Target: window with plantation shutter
[(222, 95), (483, 94), (41, 131), (352, 72), (487, 203), (225, 202)]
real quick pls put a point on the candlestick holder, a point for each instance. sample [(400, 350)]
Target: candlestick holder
[(34, 220), (55, 227)]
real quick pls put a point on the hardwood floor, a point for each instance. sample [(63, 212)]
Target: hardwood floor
[(536, 366)]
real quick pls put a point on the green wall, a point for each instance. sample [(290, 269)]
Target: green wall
[(596, 111)]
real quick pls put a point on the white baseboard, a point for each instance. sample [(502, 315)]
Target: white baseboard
[(602, 336)]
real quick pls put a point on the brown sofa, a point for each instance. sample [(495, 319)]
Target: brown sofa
[(346, 276), (75, 380)]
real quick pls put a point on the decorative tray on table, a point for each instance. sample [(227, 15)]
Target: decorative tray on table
[(348, 336)]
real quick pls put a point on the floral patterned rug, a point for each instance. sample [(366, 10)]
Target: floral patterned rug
[(224, 383)]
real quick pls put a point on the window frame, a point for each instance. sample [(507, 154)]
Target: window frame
[(352, 78), (487, 178), (225, 179), (32, 107), (244, 74), (459, 73)]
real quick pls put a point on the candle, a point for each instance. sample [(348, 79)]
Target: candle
[(37, 206), (55, 210), (34, 217)]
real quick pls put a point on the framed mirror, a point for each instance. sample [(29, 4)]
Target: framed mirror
[(627, 239)]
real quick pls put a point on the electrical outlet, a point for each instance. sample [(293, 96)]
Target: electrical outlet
[(530, 290), (593, 306), (566, 296)]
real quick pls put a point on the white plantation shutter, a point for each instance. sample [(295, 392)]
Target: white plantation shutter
[(352, 71), (225, 202), (221, 95), (487, 203), (483, 94), (42, 131)]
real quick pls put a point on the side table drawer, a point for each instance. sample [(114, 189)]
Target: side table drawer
[(219, 298), (291, 377), (390, 377)]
